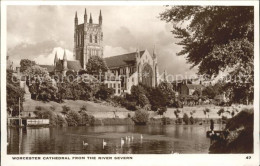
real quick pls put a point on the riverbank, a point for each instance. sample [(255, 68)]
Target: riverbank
[(104, 110)]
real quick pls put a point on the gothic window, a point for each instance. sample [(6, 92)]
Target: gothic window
[(82, 37), (96, 39), (79, 39), (90, 38)]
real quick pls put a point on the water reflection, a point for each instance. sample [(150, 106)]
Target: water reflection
[(156, 140)]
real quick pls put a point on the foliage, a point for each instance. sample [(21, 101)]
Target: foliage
[(138, 95), (65, 109), (83, 108), (217, 38), (82, 71), (185, 118), (167, 90), (73, 118), (26, 63), (86, 119), (192, 121), (157, 98), (221, 111), (176, 113), (71, 75), (210, 92), (166, 120), (161, 110), (206, 112), (177, 104), (47, 114), (104, 92), (96, 65), (35, 71), (13, 94), (61, 121), (141, 117)]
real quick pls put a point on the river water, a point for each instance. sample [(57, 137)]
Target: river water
[(157, 139)]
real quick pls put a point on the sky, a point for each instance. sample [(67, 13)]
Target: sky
[(37, 32)]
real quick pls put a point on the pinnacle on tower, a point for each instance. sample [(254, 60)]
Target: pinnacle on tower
[(154, 52), (85, 16), (100, 17), (90, 19), (64, 56), (56, 58), (76, 19)]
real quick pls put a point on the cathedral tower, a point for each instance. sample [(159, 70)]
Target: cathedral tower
[(88, 39)]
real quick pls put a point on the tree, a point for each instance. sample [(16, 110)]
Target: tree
[(96, 65), (13, 94), (26, 63), (141, 117), (209, 92), (206, 112), (186, 118), (138, 94), (82, 71), (217, 38), (104, 92), (83, 108), (35, 71), (157, 99), (220, 112), (65, 110), (167, 89)]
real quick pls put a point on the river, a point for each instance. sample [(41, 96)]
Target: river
[(157, 139)]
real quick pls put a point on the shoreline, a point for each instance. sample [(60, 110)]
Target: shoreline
[(129, 121)]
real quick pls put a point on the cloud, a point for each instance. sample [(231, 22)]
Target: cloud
[(49, 59), (34, 32)]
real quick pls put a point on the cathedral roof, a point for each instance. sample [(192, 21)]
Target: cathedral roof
[(49, 68), (121, 60), (74, 65), (80, 26)]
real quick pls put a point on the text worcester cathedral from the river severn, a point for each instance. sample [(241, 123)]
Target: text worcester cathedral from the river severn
[(136, 67)]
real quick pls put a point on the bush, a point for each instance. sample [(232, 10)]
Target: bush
[(104, 92), (141, 117), (73, 118), (186, 118), (55, 120), (86, 119), (91, 120), (130, 106), (61, 121), (192, 120), (65, 109), (166, 120), (178, 104), (123, 102), (161, 110)]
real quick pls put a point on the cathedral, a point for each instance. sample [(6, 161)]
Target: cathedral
[(126, 70)]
